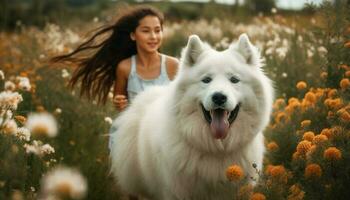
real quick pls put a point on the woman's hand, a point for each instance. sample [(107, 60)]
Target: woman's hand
[(120, 102)]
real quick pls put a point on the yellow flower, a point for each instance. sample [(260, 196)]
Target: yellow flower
[(234, 173), (319, 139), (305, 123), (332, 154), (303, 147), (272, 146), (309, 136), (313, 171), (344, 83), (258, 196), (301, 85)]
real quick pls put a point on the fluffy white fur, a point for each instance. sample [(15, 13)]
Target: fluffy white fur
[(164, 148)]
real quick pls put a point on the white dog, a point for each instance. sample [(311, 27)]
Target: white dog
[(176, 141)]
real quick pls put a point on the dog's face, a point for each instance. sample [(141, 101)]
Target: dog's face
[(223, 93)]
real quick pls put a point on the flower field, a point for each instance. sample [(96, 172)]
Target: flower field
[(54, 144)]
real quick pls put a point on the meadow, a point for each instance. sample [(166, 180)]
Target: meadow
[(53, 143)]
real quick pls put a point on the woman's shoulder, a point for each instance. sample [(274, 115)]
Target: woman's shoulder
[(124, 67), (172, 65)]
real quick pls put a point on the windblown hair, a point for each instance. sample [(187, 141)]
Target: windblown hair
[(97, 73)]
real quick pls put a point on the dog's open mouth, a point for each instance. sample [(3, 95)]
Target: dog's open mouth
[(220, 120)]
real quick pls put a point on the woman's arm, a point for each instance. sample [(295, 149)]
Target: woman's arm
[(120, 94)]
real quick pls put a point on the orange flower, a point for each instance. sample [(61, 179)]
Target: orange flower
[(303, 147), (279, 102), (281, 117), (313, 171), (310, 97), (345, 116), (301, 85), (332, 154), (319, 139), (272, 146), (324, 75), (334, 103), (277, 171), (309, 136), (258, 196), (344, 83), (327, 132), (21, 119), (234, 173), (296, 156), (332, 93), (296, 193), (305, 123), (347, 74), (347, 45)]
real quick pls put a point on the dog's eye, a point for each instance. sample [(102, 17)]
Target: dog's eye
[(206, 79), (234, 79)]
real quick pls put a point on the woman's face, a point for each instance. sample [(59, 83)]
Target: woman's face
[(148, 34)]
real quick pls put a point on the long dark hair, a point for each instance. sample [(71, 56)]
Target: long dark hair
[(97, 73)]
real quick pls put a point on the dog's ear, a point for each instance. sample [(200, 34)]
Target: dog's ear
[(193, 49), (247, 50)]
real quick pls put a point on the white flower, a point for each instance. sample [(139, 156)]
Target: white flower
[(42, 124), (23, 83), (273, 10), (64, 182), (108, 120), (2, 75), (65, 73), (9, 85), (46, 149), (322, 50), (38, 148), (58, 111), (10, 100), (23, 133)]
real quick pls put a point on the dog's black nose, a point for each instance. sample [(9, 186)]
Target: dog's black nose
[(218, 98)]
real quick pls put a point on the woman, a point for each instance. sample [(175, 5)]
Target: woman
[(129, 59)]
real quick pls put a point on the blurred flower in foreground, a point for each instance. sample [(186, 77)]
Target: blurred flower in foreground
[(8, 126), (234, 173), (42, 124), (65, 183), (9, 85), (2, 75), (10, 100)]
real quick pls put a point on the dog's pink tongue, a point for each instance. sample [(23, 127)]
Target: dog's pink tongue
[(219, 123)]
